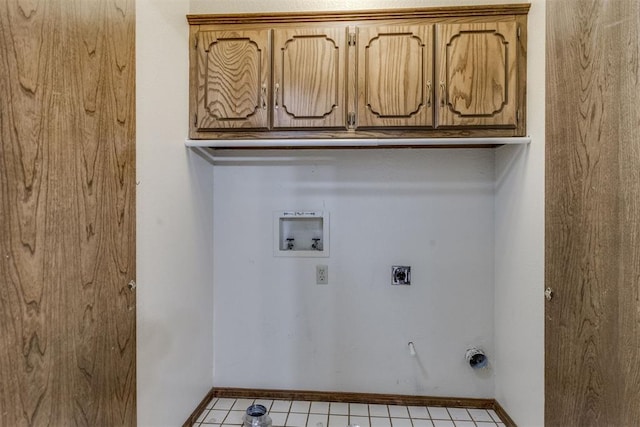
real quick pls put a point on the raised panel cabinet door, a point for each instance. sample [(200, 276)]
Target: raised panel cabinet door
[(309, 78), (395, 76), (477, 74), (233, 80)]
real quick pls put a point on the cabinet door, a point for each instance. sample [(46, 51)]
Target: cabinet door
[(309, 78), (477, 74), (395, 74), (233, 79)]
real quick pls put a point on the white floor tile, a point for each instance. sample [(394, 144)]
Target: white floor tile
[(438, 413), (401, 422), (242, 404), (359, 409), (215, 416), (397, 411), (299, 406), (234, 418), (318, 420), (495, 416), (339, 408), (228, 412), (278, 419), (338, 421), (202, 416), (380, 422), (359, 421), (480, 415), (224, 403), (418, 412), (378, 411), (280, 406), (459, 414), (319, 408), (296, 420)]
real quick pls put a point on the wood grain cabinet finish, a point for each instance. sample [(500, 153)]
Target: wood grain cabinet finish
[(309, 78), (477, 74), (395, 74), (233, 79), (440, 72)]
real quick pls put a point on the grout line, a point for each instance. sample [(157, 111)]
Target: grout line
[(229, 411), (349, 414)]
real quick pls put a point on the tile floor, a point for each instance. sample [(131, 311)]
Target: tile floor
[(284, 413)]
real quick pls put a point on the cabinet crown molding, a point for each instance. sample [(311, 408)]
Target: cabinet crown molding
[(361, 15)]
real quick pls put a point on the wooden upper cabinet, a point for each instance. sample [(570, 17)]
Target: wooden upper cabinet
[(309, 78), (477, 74), (395, 76), (233, 71), (406, 73)]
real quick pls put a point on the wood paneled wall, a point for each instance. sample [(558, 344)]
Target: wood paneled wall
[(593, 213), (67, 213)]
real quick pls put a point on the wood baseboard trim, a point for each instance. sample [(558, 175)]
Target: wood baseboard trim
[(199, 409), (334, 396), (508, 421)]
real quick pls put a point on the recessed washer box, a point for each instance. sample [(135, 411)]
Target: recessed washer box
[(301, 233)]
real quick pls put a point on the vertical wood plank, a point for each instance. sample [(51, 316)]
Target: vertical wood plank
[(67, 212), (626, 59), (592, 213)]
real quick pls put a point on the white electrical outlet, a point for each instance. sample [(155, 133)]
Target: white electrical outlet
[(322, 274)]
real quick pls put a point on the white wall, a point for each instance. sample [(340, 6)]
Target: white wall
[(430, 209), (518, 207), (174, 231), (520, 251), (175, 332), (519, 232)]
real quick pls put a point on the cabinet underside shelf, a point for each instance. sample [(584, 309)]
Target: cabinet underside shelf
[(355, 143)]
